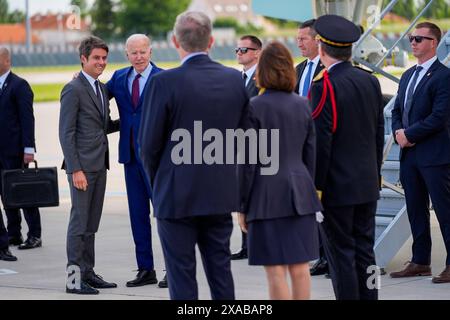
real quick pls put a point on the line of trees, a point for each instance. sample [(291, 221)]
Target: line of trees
[(118, 19), (440, 9), (112, 19), (10, 17)]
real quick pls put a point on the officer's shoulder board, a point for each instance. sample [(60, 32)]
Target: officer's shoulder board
[(363, 69), (319, 76)]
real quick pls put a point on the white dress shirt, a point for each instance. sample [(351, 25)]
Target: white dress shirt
[(315, 62)]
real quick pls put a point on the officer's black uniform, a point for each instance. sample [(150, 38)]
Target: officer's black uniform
[(348, 112)]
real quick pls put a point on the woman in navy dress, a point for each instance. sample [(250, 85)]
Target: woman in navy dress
[(279, 206)]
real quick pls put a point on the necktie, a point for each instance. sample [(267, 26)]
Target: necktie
[(135, 91), (307, 82), (409, 97), (244, 76), (97, 92)]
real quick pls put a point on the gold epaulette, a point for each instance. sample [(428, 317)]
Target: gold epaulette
[(363, 69), (319, 76), (319, 194)]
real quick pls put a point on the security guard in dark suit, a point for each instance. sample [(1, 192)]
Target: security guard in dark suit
[(247, 54), (306, 71), (309, 68), (348, 112)]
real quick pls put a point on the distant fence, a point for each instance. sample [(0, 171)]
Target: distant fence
[(163, 51)]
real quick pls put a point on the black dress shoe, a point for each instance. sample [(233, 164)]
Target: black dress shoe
[(31, 243), (6, 255), (84, 289), (319, 268), (242, 254), (163, 282), (143, 278), (96, 281), (15, 241)]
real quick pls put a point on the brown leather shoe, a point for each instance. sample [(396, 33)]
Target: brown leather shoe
[(412, 270), (444, 277)]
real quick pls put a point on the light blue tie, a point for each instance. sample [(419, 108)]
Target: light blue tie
[(307, 82), (409, 98)]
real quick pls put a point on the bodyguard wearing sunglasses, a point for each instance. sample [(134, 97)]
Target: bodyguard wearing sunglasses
[(247, 54), (421, 123)]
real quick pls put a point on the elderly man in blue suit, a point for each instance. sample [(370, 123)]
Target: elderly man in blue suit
[(127, 86), (192, 200), (421, 122)]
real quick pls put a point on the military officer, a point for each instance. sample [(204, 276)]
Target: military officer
[(348, 113)]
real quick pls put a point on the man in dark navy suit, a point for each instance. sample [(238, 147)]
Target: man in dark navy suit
[(309, 68), (193, 197), (247, 54), (348, 113), (421, 123), (127, 86), (17, 146)]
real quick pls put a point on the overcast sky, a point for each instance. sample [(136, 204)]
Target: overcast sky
[(42, 6)]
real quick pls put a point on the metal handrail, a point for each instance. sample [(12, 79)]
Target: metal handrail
[(376, 23), (405, 33)]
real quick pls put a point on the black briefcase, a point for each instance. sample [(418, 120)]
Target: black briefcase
[(29, 188)]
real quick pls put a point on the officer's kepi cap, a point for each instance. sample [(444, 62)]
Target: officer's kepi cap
[(336, 31)]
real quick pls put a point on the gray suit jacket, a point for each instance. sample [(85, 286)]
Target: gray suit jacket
[(83, 127)]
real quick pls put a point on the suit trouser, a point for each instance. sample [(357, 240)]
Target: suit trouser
[(4, 244), (212, 236), (32, 215), (244, 241), (84, 221), (421, 183), (138, 194), (348, 235)]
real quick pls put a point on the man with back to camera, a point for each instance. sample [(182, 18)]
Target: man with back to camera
[(421, 125), (17, 146), (347, 103), (127, 86), (83, 125), (247, 53), (192, 202)]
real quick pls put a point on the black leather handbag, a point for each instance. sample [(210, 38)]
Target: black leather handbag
[(30, 188)]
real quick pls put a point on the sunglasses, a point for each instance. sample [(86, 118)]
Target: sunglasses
[(419, 39), (244, 50)]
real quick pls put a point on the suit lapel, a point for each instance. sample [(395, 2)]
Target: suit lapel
[(403, 90), (152, 73), (125, 86), (319, 68), (425, 78), (91, 92), (6, 83), (301, 69), (106, 104)]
